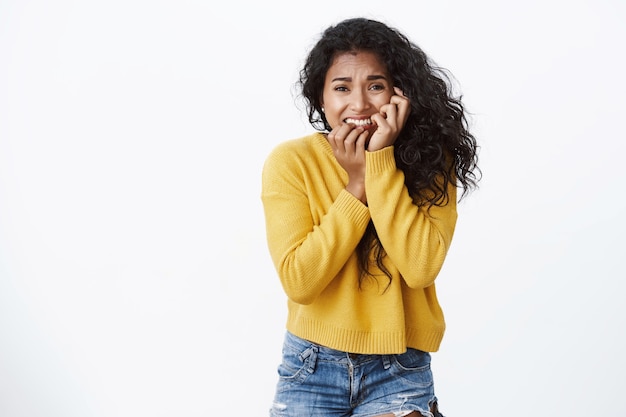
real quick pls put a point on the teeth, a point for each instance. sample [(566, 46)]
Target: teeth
[(359, 122)]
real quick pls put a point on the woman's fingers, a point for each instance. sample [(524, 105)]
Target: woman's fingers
[(403, 107), (347, 139), (390, 120)]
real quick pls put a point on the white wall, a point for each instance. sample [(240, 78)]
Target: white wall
[(134, 276)]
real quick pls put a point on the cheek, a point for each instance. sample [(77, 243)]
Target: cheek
[(381, 101), (332, 112), (332, 120)]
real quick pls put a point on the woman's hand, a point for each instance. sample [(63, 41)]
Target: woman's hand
[(389, 120), (348, 143)]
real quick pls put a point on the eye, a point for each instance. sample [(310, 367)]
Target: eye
[(341, 88), (377, 87)]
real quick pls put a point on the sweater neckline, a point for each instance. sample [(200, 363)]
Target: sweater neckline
[(320, 137)]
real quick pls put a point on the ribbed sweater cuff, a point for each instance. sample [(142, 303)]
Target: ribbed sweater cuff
[(352, 207), (380, 161)]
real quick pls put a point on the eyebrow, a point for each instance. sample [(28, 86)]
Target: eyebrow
[(369, 78)]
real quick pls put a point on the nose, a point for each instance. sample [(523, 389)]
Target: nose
[(360, 101)]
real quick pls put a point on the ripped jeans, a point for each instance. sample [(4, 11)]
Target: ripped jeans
[(315, 381)]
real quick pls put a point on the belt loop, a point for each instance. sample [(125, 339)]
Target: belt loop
[(386, 361), (310, 357), (313, 359)]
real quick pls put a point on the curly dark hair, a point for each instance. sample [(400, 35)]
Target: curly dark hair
[(435, 148)]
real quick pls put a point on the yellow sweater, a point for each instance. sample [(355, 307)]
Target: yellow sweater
[(313, 227)]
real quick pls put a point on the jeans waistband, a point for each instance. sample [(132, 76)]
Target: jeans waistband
[(326, 353)]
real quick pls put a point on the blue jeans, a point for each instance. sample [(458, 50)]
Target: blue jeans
[(322, 382)]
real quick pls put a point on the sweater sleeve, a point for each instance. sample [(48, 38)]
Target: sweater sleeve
[(307, 253), (415, 238)]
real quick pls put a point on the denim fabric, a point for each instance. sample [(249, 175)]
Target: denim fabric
[(315, 381)]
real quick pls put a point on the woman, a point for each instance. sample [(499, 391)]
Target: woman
[(359, 218)]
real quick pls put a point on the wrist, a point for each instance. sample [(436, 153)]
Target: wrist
[(358, 191)]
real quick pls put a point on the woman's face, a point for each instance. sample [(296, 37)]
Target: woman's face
[(356, 86)]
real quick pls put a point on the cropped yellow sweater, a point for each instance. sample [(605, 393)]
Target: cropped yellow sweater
[(313, 226)]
